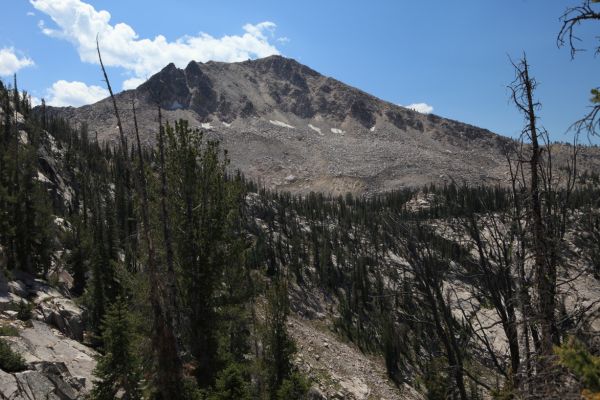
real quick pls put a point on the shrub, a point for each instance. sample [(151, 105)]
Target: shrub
[(8, 330), (24, 311), (574, 356), (10, 361)]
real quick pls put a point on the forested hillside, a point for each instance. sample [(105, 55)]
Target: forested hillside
[(194, 281)]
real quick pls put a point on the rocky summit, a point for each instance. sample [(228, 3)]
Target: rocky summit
[(293, 129)]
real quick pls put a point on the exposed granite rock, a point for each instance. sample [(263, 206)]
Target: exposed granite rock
[(58, 367), (366, 145)]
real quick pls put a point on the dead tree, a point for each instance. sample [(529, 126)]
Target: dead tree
[(427, 269), (522, 90), (571, 19), (168, 379), (547, 211)]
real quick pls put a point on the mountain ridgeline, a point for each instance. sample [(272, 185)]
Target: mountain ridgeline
[(293, 129)]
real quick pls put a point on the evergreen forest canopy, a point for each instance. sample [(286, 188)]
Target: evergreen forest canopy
[(189, 272)]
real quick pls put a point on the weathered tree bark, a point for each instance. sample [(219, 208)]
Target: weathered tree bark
[(545, 273)]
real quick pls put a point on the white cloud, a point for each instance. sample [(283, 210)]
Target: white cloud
[(133, 83), (79, 23), (423, 108), (30, 13), (63, 93), (10, 62)]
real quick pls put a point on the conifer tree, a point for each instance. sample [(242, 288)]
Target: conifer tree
[(118, 369), (278, 346)]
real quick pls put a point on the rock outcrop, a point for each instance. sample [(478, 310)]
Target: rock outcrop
[(58, 366)]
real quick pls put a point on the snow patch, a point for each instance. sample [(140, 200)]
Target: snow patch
[(316, 129), (226, 124), (372, 129), (281, 124), (206, 125), (336, 130)]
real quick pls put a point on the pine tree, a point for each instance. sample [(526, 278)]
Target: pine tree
[(231, 384), (278, 346), (118, 369)]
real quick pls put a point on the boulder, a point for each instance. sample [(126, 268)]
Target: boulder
[(18, 288), (60, 359), (63, 314), (49, 381)]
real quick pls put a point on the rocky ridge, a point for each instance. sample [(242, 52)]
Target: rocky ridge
[(293, 129)]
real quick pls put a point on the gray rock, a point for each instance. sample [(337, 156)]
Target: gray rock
[(63, 314), (10, 301), (8, 385), (18, 288), (315, 393), (34, 385), (343, 139), (49, 352), (66, 385)]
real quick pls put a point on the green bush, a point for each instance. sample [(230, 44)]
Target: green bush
[(8, 330), (574, 356), (231, 384), (10, 361)]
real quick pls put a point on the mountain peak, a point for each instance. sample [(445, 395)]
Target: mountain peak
[(290, 127)]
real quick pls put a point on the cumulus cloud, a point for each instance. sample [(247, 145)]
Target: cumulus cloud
[(79, 23), (35, 101), (423, 108), (63, 93), (132, 83), (10, 62)]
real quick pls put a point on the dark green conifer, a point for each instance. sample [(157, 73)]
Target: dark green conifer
[(118, 369)]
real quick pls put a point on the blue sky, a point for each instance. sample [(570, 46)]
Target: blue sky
[(452, 56)]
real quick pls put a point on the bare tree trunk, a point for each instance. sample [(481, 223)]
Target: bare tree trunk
[(168, 378), (545, 224), (545, 273), (114, 101)]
